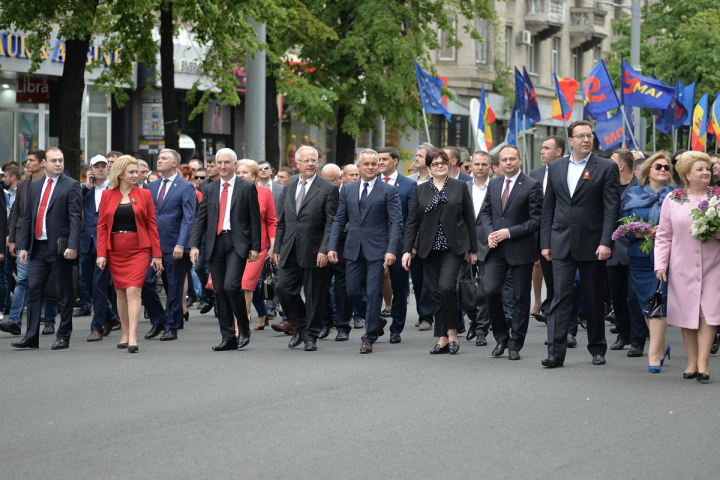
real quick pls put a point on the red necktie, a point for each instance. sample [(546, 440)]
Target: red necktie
[(223, 203), (41, 211), (387, 179)]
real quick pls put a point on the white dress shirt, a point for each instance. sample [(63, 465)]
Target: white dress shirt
[(269, 185), (98, 194), (547, 168), (575, 171), (478, 196), (307, 185), (371, 184), (512, 179), (226, 220), (393, 178), (170, 181), (42, 194), (11, 197)]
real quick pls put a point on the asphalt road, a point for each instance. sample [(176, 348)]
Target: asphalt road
[(179, 410)]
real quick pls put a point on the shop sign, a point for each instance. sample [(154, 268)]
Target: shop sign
[(32, 89), (14, 45)]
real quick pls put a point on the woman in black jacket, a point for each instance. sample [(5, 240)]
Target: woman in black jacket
[(443, 219)]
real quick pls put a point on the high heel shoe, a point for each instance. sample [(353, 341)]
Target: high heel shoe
[(653, 369), (690, 376), (703, 377), (121, 346), (262, 327), (667, 354), (186, 318), (132, 348)]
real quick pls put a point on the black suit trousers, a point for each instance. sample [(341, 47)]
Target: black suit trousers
[(592, 277), (547, 272), (227, 268), (44, 261), (479, 315), (441, 272), (496, 269), (305, 316)]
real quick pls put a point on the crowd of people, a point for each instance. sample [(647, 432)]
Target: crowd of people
[(324, 247)]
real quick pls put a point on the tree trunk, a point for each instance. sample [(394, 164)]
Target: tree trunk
[(272, 123), (167, 72), (344, 143), (71, 103)]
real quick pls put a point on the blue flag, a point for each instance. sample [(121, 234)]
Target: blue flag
[(598, 92), (430, 95), (631, 121), (610, 133), (687, 98), (674, 114), (637, 90), (598, 117), (531, 108), (519, 93), (512, 139)]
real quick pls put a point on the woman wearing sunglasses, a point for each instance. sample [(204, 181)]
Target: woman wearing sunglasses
[(645, 201)]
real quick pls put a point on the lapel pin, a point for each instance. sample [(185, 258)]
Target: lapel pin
[(174, 184), (586, 175)]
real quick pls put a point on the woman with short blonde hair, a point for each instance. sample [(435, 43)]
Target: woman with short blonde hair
[(644, 173), (252, 167)]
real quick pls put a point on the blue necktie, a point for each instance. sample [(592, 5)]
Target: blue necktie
[(363, 197)]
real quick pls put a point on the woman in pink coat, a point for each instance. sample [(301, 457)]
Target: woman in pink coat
[(693, 267)]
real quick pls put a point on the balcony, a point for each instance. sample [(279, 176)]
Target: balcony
[(587, 27), (545, 18)]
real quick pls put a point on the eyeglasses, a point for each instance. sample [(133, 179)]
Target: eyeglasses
[(264, 168), (437, 164), (587, 136), (199, 178), (660, 166)]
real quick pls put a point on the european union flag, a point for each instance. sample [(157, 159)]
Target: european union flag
[(598, 92), (531, 108), (430, 94), (637, 90)]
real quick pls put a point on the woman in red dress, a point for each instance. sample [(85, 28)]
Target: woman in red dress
[(127, 239), (249, 170)]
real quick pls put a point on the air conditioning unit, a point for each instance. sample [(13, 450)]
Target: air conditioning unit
[(525, 37)]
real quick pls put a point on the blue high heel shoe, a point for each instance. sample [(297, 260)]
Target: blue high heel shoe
[(652, 369), (667, 354)]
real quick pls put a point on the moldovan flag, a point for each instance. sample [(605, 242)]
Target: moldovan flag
[(565, 89), (714, 123), (700, 124), (487, 116)]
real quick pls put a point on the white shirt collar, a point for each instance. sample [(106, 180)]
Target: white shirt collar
[(393, 177), (513, 178), (370, 182), (484, 185), (231, 182), (581, 161), (104, 185), (170, 179)]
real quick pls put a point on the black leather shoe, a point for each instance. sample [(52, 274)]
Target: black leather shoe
[(613, 330), (499, 350), (471, 333), (619, 344), (716, 345), (295, 341), (132, 348), (686, 376), (243, 341), (201, 305), (146, 314), (513, 355), (508, 322), (60, 344), (454, 347), (167, 336), (9, 327), (437, 349), (207, 308), (26, 343), (324, 332), (552, 362), (191, 302), (155, 330), (381, 330), (48, 329), (185, 318), (598, 360), (224, 346), (395, 338), (480, 341), (539, 317), (342, 336), (366, 347), (703, 377), (461, 330), (636, 351), (571, 341), (582, 321), (310, 345), (81, 312)]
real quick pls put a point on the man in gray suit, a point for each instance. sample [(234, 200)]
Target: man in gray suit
[(301, 247), (480, 325)]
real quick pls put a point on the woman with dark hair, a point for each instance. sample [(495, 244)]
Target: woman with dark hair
[(443, 219), (675, 158)]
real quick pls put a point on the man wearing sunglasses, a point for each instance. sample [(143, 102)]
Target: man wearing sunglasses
[(265, 180)]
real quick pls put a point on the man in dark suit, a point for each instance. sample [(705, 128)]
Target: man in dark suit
[(629, 319), (389, 159), (175, 203), (301, 246), (480, 324), (51, 238), (580, 212), (455, 157), (97, 280), (371, 210), (510, 217), (207, 299), (229, 215)]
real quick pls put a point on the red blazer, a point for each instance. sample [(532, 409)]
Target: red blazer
[(268, 218), (144, 207)]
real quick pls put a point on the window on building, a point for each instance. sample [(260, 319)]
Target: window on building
[(555, 54), (577, 63), (532, 53), (447, 52), (481, 47), (508, 44), (597, 55)]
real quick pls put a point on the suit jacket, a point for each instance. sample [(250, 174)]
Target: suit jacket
[(277, 195), (521, 217), (176, 216), (482, 246), (577, 225), (619, 253), (88, 237), (144, 208), (406, 190), (538, 174), (309, 229), (246, 231), (457, 218), (376, 229), (63, 216), (18, 210), (463, 177)]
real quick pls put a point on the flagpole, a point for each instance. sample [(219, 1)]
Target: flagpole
[(654, 150), (427, 132), (525, 155), (628, 127), (674, 133)]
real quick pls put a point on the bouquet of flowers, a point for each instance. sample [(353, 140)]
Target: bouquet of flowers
[(633, 225), (706, 219)]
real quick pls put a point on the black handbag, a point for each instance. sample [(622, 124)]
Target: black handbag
[(49, 292), (270, 279), (470, 287), (656, 307)]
